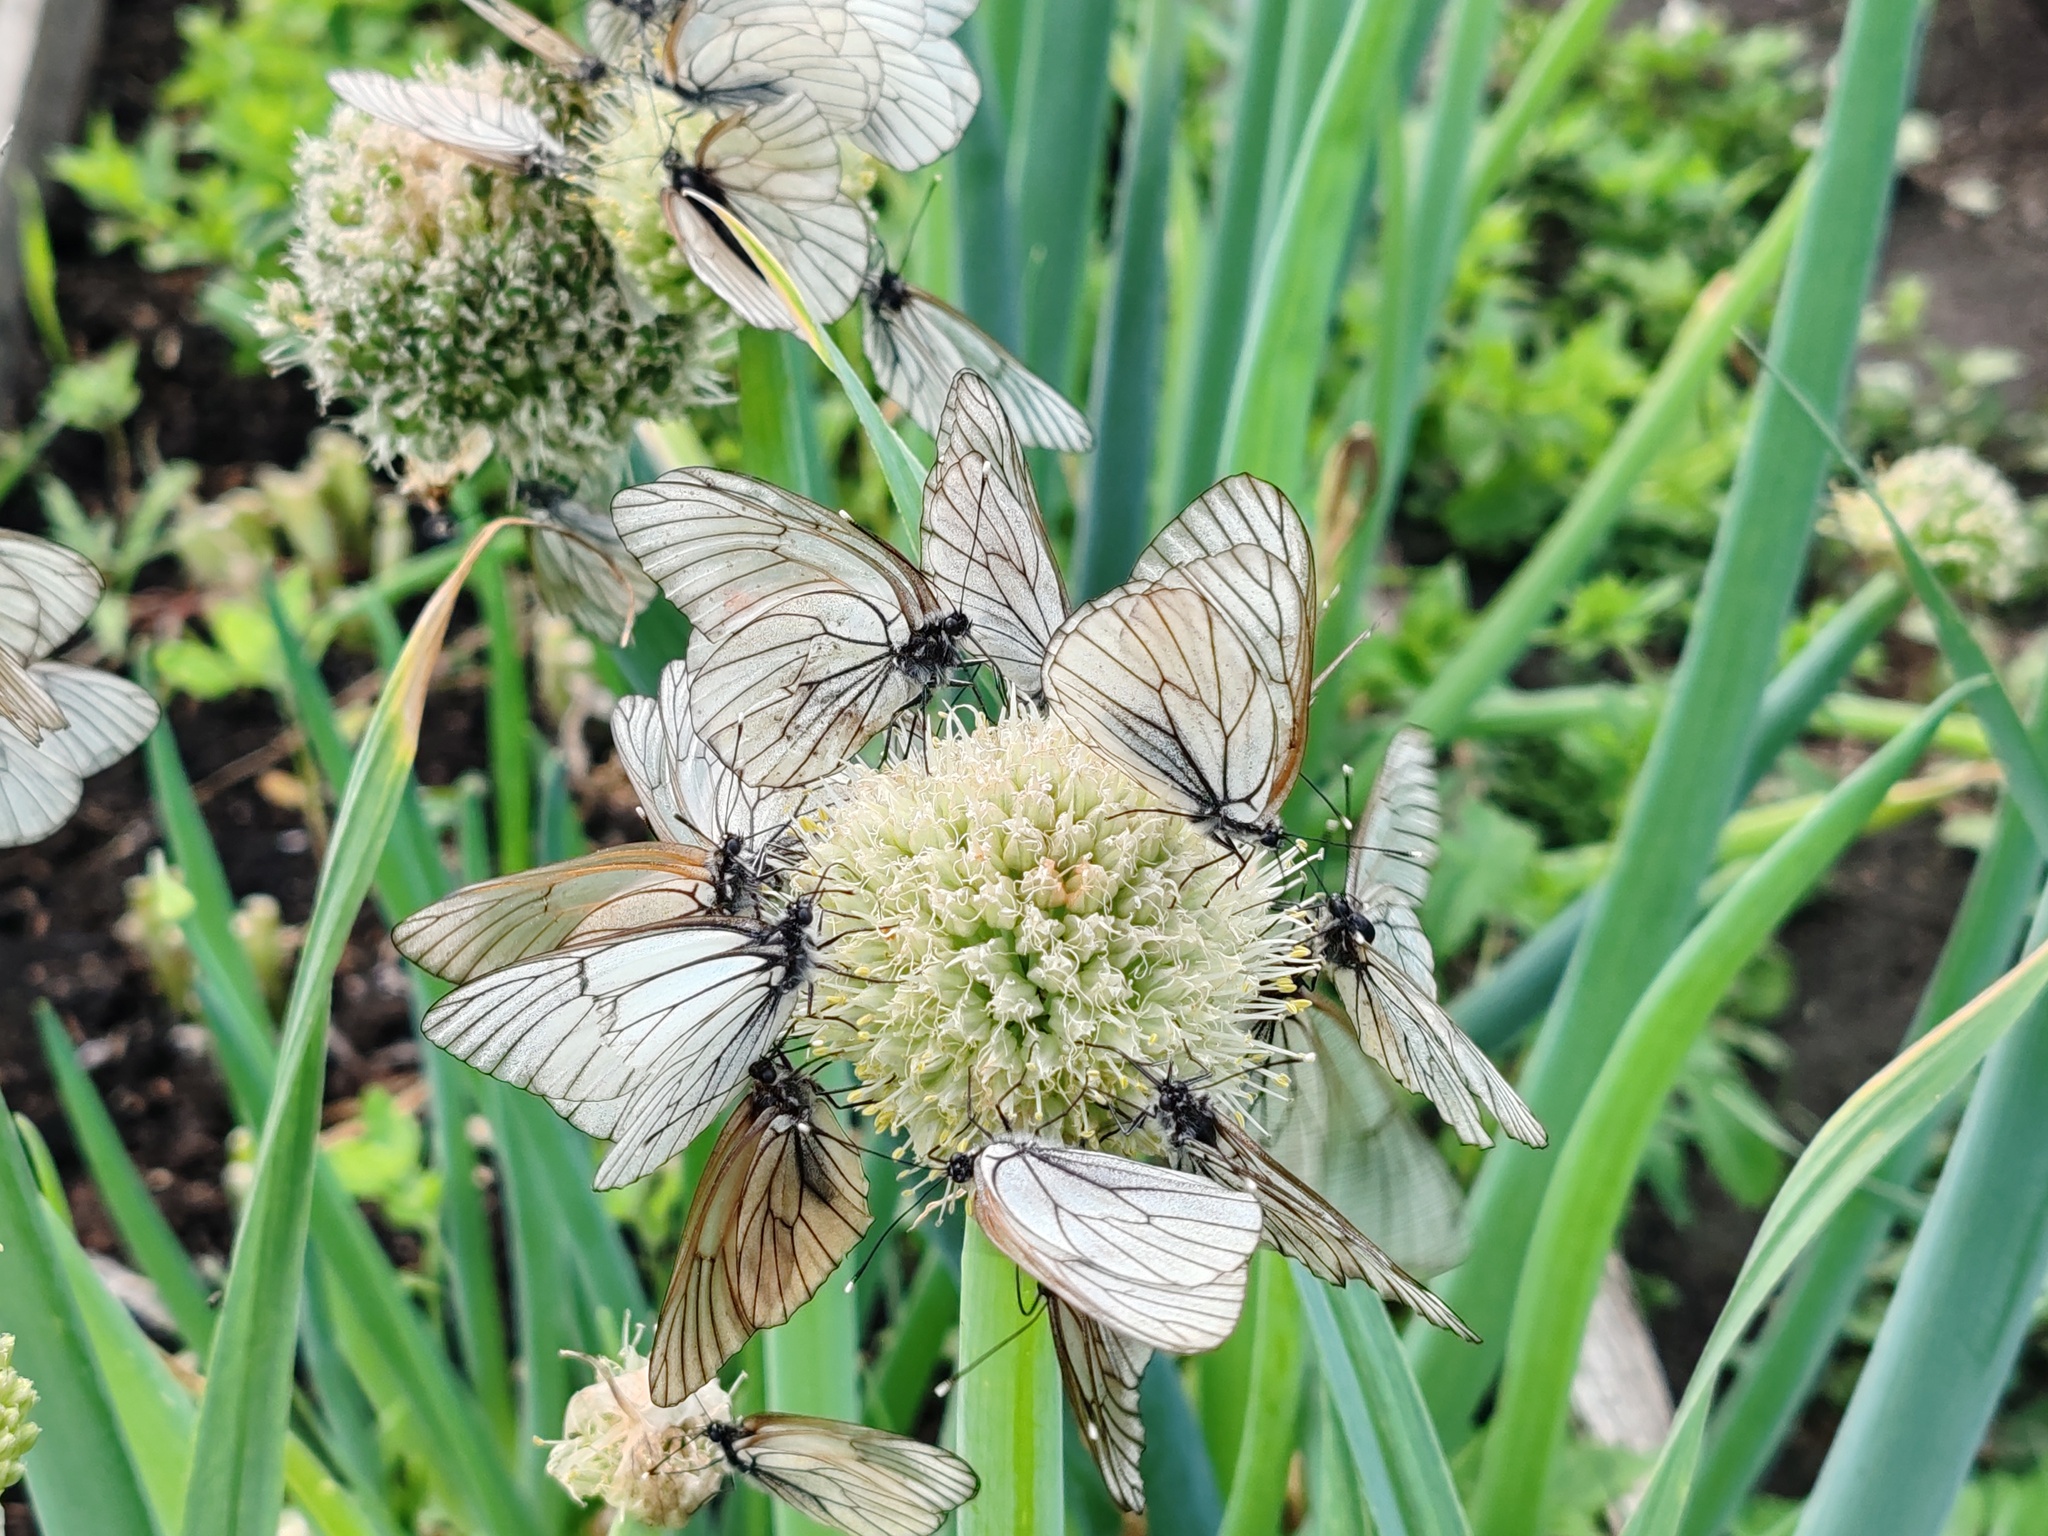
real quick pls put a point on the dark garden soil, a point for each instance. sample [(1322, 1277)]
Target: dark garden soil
[(1861, 949)]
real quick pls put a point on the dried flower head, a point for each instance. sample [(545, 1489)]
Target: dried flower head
[(651, 1463), (17, 1399), (1012, 927), (455, 307), (1963, 516)]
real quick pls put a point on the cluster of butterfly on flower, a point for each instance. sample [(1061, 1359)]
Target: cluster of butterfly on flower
[(756, 99), (641, 990)]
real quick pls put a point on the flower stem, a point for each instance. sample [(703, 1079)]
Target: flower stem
[(811, 1365), (1273, 1396), (1010, 1414)]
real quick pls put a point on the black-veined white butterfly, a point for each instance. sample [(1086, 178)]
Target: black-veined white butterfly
[(1101, 1371), (926, 91), (638, 1040), (538, 38), (1299, 1223), (809, 634), (1152, 1253), (572, 571), (774, 168), (918, 344), (1377, 957), (780, 1202), (59, 724), (864, 1481), (735, 55), (1194, 676), (488, 129)]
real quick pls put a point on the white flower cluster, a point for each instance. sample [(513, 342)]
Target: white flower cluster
[(651, 1463), (1963, 516), (17, 1399)]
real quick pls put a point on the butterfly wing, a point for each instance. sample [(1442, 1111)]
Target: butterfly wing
[(1156, 1254), (689, 795), (23, 701), (781, 1201), (591, 587), (495, 923), (1192, 698), (987, 555), (918, 344), (46, 593), (742, 54), (1101, 1371), (1395, 844), (864, 1481), (1239, 510), (639, 1041), (627, 34), (105, 716), (488, 129), (37, 793), (927, 90), (538, 38)]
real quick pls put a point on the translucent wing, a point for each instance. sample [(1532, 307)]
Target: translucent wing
[(628, 34), (23, 701), (37, 793), (46, 593), (789, 696), (1305, 1227), (1192, 683), (741, 54), (1101, 1372), (105, 716), (945, 17), (1389, 991), (1156, 1254), (488, 129), (975, 420), (689, 795), (987, 554), (1395, 844), (776, 170), (918, 344), (722, 546), (780, 1202), (538, 38), (495, 923), (1239, 510), (639, 1041), (928, 91), (578, 581), (1340, 1126), (863, 1481)]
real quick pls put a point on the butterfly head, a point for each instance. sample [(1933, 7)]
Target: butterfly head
[(960, 1168), (934, 648), (1346, 932), (889, 293), (725, 1434), (1184, 1110)]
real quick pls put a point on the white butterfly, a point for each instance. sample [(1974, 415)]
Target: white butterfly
[(926, 91), (725, 56), (721, 846), (917, 344), (809, 634), (863, 1481), (488, 129), (639, 1040), (572, 577), (1194, 677), (59, 724), (1152, 1253), (1380, 962), (540, 39), (774, 168), (1101, 1371)]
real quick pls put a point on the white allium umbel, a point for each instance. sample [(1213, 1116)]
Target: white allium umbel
[(1962, 515), (450, 306), (17, 1431), (1010, 926), (651, 1463)]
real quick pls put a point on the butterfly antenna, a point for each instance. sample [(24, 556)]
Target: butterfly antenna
[(875, 1248), (1316, 683), (1031, 1316), (916, 219)]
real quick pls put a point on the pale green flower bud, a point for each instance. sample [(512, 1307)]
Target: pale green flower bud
[(17, 1431), (1013, 925), (1962, 515)]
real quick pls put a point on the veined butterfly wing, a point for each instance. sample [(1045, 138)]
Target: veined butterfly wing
[(726, 55), (584, 572), (37, 793), (782, 1199), (1241, 509), (945, 17), (864, 1481), (927, 91), (629, 35), (538, 38), (774, 168), (23, 701), (1153, 1253), (640, 1040), (615, 891), (975, 420), (918, 345), (46, 593), (488, 129), (1101, 1371), (104, 718), (1394, 846), (986, 550), (1191, 683)]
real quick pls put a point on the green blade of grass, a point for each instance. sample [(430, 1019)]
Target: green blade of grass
[(1779, 1372), (81, 1480), (1009, 1404), (986, 226), (1597, 1166), (1230, 250), (1569, 35), (778, 426), (1258, 1486), (1688, 783), (898, 1384), (238, 1473), (1854, 1142), (144, 1231), (505, 720), (1180, 1484), (1114, 521)]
